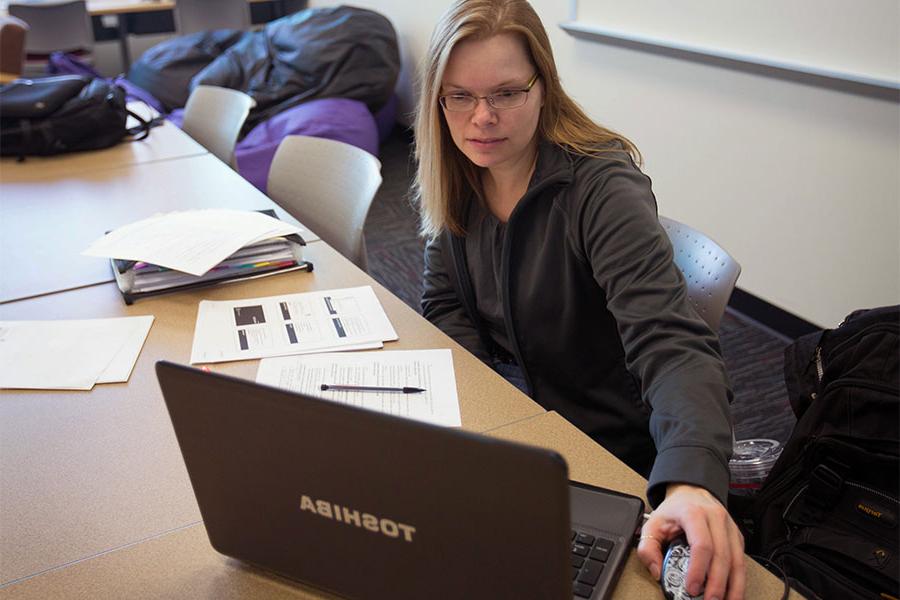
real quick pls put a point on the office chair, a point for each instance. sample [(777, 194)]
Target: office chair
[(214, 116), (709, 271), (328, 186), (12, 47), (192, 16), (52, 26)]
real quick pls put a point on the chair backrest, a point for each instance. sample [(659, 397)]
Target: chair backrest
[(12, 45), (709, 271), (55, 26), (328, 186), (192, 16), (214, 116)]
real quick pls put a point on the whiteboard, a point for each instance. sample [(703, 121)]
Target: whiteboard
[(851, 39)]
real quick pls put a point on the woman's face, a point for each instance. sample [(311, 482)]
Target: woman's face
[(490, 137)]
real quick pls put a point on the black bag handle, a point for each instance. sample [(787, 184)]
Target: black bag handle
[(142, 129)]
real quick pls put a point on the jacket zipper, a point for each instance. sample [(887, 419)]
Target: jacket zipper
[(504, 275)]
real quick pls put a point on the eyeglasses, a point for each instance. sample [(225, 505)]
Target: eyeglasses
[(503, 99)]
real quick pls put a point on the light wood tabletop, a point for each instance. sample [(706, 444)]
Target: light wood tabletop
[(192, 569), (82, 473), (46, 220)]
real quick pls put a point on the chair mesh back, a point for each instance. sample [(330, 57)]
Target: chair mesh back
[(709, 271), (55, 27), (205, 15)]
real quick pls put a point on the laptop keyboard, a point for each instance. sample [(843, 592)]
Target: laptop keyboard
[(589, 554)]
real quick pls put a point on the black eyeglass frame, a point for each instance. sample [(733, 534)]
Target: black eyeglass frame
[(490, 97)]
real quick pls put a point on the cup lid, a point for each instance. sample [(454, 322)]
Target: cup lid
[(755, 453)]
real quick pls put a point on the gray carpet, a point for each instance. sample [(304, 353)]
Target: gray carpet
[(753, 354)]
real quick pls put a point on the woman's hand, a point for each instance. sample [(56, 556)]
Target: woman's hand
[(717, 546)]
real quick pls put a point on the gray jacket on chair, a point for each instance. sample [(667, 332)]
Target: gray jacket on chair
[(598, 318)]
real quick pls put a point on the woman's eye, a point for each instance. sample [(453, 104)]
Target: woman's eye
[(505, 93)]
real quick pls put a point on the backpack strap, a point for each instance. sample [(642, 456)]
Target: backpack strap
[(142, 129)]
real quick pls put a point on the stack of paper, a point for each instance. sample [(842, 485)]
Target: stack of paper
[(183, 250), (192, 241), (70, 355), (344, 319)]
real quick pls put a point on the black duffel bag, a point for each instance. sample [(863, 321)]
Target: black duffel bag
[(61, 114), (828, 515)]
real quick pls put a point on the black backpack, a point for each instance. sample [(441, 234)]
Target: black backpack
[(61, 114), (828, 512)]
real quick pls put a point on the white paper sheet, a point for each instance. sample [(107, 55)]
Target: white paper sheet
[(343, 319), (69, 355), (431, 370), (119, 370), (191, 241)]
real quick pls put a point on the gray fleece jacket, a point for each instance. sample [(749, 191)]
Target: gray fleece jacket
[(598, 318)]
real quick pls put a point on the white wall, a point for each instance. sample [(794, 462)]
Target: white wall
[(799, 183)]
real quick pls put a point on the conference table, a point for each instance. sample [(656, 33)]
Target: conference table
[(95, 501), (46, 223), (53, 207)]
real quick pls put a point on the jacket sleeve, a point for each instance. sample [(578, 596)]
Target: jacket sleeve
[(667, 346), (442, 305)]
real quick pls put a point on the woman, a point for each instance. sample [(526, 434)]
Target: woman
[(546, 259)]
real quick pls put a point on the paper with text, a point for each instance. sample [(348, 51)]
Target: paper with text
[(192, 241), (70, 355), (431, 370), (324, 321)]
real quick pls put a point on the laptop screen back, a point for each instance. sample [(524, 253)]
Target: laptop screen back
[(365, 504)]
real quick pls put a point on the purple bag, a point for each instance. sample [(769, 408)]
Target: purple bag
[(339, 119)]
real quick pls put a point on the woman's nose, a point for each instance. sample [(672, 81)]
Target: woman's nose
[(483, 114)]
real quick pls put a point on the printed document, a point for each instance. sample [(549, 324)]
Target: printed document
[(324, 321), (70, 355), (192, 241), (431, 370)]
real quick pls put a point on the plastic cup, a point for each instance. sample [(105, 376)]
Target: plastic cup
[(750, 464)]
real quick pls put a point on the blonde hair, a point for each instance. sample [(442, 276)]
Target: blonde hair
[(445, 178)]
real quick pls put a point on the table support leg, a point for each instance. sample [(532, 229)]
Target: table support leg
[(123, 42)]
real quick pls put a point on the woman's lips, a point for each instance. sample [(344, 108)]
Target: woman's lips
[(485, 142)]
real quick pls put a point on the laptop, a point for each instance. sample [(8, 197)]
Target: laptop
[(367, 505)]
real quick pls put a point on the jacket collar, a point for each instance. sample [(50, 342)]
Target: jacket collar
[(554, 168), (554, 164)]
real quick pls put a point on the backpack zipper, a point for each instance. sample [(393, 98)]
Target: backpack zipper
[(820, 368), (868, 330), (820, 362), (871, 491), (849, 483)]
